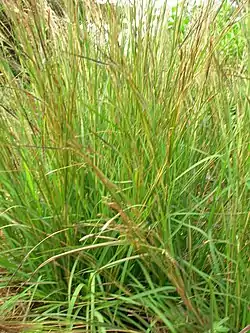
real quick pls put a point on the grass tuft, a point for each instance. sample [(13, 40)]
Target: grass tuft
[(124, 167)]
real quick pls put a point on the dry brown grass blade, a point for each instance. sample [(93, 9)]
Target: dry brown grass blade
[(13, 328), (246, 329)]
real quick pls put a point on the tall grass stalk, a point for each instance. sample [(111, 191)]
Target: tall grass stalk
[(124, 167)]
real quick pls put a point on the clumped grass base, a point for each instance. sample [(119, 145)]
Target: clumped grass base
[(124, 168)]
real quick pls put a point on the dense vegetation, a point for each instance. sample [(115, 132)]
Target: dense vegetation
[(124, 168)]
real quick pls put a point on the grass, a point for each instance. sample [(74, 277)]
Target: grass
[(124, 168)]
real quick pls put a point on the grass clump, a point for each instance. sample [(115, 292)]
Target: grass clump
[(124, 167)]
